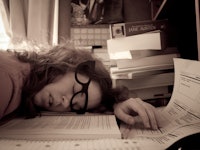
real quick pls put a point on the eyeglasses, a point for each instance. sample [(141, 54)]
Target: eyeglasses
[(83, 68)]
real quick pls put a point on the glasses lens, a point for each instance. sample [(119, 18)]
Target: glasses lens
[(82, 78), (86, 68), (79, 102)]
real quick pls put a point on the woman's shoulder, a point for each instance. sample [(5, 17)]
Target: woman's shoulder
[(13, 74), (10, 64), (6, 56)]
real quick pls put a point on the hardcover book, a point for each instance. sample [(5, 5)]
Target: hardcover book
[(133, 28), (155, 40)]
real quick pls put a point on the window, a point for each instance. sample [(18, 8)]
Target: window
[(4, 38)]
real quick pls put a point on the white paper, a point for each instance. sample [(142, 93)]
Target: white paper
[(100, 144), (181, 117), (151, 40), (120, 55)]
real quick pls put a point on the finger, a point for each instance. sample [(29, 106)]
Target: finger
[(151, 112), (125, 130), (145, 119), (161, 119), (152, 117), (140, 109), (125, 117)]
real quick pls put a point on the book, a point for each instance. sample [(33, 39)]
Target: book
[(136, 71), (140, 73), (157, 80), (118, 30), (147, 53), (146, 41), (62, 127), (152, 92), (147, 61), (144, 63)]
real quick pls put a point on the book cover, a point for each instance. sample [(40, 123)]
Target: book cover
[(146, 53), (133, 28), (157, 80), (147, 61), (155, 40), (140, 70), (140, 73)]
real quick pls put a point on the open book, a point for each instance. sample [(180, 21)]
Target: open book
[(62, 127)]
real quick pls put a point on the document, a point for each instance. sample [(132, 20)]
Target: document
[(181, 117)]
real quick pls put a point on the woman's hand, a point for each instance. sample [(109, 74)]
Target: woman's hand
[(126, 110)]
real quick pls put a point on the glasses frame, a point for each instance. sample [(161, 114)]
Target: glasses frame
[(91, 67)]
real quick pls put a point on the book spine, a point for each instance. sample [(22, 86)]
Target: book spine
[(133, 28)]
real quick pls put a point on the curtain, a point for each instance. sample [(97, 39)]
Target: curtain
[(38, 21)]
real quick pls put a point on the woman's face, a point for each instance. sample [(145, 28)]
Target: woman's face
[(57, 95)]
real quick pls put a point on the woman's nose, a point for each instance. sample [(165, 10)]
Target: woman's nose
[(65, 102)]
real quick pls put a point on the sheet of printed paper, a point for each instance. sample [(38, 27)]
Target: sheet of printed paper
[(96, 144), (181, 117)]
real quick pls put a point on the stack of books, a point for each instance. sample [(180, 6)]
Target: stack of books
[(147, 69)]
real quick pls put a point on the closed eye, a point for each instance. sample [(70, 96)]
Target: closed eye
[(79, 99), (76, 106)]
